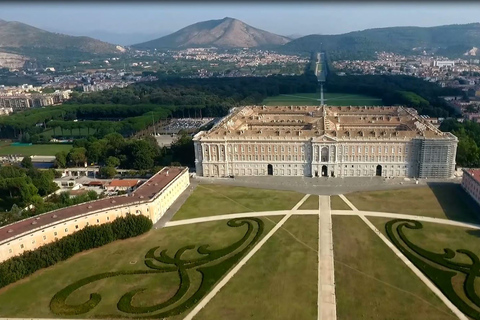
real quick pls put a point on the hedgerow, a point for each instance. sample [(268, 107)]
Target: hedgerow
[(440, 277), (90, 237)]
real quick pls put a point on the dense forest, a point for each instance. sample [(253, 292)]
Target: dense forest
[(129, 110), (468, 134), (397, 90)]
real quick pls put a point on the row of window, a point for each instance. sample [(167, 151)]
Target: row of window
[(372, 149)]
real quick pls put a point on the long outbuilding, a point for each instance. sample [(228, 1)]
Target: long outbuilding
[(151, 199)]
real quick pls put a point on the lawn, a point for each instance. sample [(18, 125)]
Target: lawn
[(372, 283), (313, 99), (337, 203), (310, 204), (209, 199), (447, 201), (36, 149), (435, 238), (57, 132), (31, 297), (278, 282)]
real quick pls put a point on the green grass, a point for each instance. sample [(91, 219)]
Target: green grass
[(373, 283), (31, 297), (436, 237), (36, 149), (337, 203), (208, 200), (82, 132), (278, 282), (313, 99), (446, 201), (311, 203)]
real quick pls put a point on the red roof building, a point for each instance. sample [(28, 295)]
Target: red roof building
[(471, 183)]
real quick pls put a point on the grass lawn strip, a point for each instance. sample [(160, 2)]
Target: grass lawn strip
[(372, 283), (337, 203), (36, 149), (207, 200), (313, 99), (278, 282), (310, 204), (447, 201), (31, 297)]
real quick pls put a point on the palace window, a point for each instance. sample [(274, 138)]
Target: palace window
[(366, 149), (22, 246), (66, 229), (44, 237)]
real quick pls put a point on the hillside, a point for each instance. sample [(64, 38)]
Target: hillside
[(224, 33), (16, 37), (449, 40)]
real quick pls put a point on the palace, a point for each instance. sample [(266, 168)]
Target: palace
[(151, 199), (314, 141)]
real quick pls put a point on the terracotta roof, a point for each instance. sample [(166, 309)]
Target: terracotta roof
[(475, 173), (96, 183), (124, 183), (144, 193)]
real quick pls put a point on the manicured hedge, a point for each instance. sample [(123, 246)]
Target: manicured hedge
[(90, 237), (429, 262), (213, 265)]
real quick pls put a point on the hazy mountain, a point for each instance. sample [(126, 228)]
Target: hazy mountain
[(21, 38), (120, 38), (224, 33), (449, 40)]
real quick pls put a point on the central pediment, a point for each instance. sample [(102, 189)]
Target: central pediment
[(324, 138)]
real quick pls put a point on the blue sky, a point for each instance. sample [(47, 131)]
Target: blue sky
[(282, 17)]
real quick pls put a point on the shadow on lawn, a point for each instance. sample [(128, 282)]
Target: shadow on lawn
[(455, 202)]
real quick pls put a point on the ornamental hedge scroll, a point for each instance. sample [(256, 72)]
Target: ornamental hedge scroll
[(440, 267), (212, 266)]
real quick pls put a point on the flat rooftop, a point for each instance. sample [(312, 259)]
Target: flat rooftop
[(144, 193), (303, 122)]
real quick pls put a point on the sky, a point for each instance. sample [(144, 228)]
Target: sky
[(285, 18)]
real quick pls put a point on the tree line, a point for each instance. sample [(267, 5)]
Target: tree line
[(90, 237), (468, 134)]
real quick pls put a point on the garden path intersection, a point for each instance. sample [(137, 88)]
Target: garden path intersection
[(326, 300)]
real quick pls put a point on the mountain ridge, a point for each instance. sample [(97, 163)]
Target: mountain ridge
[(18, 37), (224, 33), (449, 40)]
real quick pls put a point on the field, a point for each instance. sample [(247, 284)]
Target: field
[(310, 204), (372, 283), (313, 99), (36, 149), (446, 201), (227, 199), (57, 132), (279, 282), (336, 203)]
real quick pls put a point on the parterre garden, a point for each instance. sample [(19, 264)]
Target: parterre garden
[(165, 273)]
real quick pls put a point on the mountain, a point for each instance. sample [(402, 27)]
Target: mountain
[(449, 40), (17, 37), (224, 33)]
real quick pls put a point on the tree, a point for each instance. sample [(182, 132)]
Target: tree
[(108, 172), (27, 162), (112, 162), (61, 159), (77, 156)]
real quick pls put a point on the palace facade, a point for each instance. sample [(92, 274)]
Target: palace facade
[(314, 141), (151, 199)]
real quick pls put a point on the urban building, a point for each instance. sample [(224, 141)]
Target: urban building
[(471, 183), (325, 141), (151, 199)]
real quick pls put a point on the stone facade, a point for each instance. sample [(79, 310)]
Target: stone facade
[(471, 183), (151, 199), (325, 141)]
